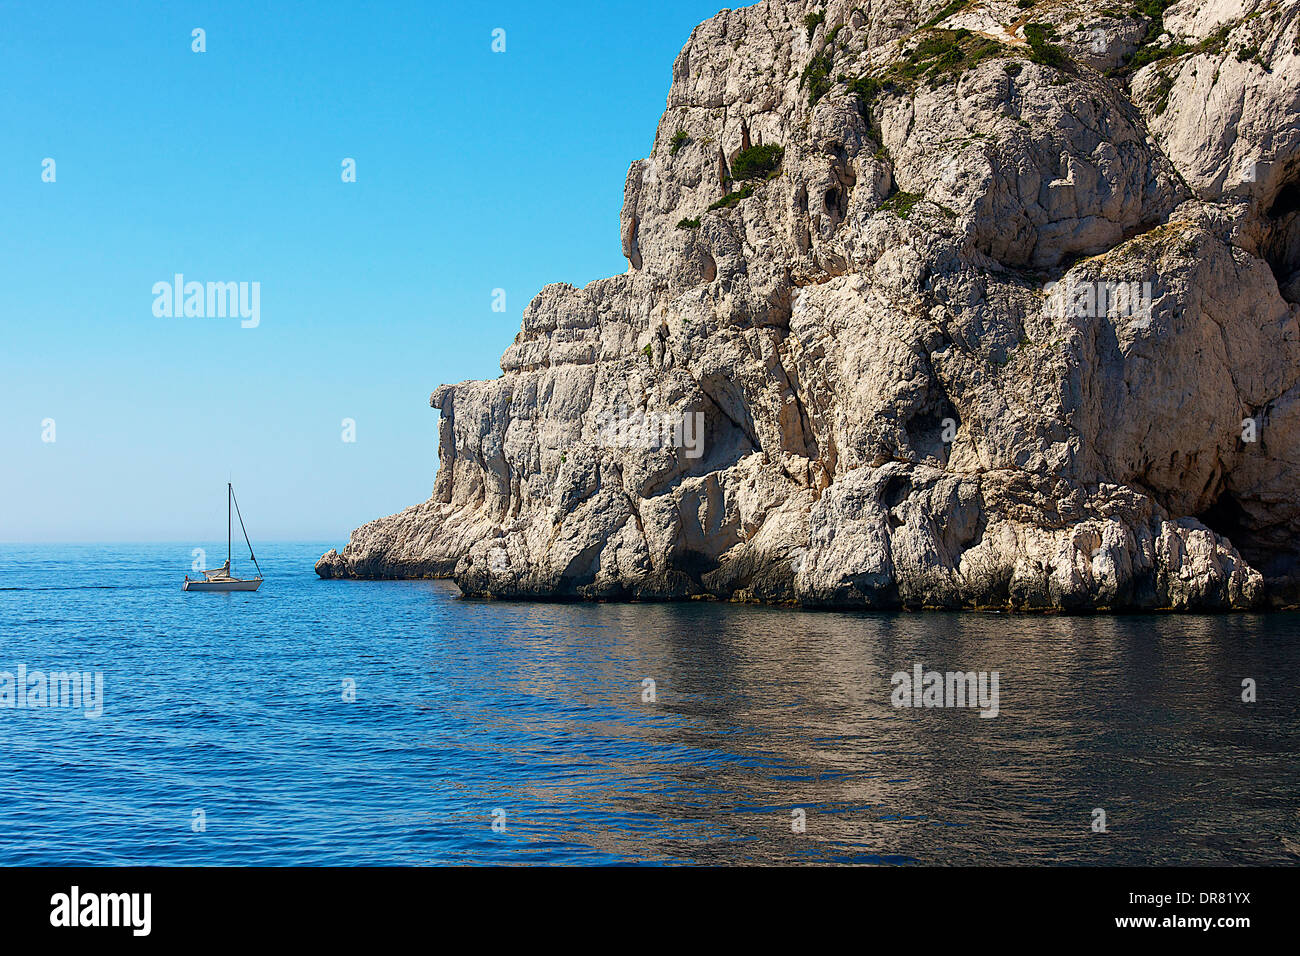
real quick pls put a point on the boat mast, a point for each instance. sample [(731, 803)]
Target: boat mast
[(245, 530), (229, 491)]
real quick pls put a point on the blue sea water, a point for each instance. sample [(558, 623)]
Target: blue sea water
[(234, 705)]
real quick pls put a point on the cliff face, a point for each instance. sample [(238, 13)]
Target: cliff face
[(1008, 320)]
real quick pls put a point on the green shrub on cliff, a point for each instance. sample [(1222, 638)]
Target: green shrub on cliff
[(730, 199), (902, 203), (817, 76), (945, 51), (1041, 49), (757, 162), (945, 13)]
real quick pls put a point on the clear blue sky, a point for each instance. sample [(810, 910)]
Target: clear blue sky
[(475, 171)]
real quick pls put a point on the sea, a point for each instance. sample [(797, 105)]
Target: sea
[(396, 723)]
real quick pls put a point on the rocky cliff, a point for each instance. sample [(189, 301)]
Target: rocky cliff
[(984, 304)]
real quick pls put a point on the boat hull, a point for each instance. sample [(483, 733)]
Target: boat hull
[(234, 584)]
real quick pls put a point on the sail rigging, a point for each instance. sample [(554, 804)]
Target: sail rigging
[(231, 488)]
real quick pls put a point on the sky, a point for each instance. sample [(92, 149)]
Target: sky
[(475, 171)]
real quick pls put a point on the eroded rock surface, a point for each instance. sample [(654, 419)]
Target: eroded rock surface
[(1009, 320)]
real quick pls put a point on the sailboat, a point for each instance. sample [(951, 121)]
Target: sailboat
[(219, 579)]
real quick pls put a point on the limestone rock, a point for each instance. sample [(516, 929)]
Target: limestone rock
[(926, 307)]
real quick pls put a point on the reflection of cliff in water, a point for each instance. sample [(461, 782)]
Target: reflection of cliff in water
[(759, 712)]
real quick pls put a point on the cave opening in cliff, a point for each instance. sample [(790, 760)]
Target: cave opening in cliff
[(1281, 245), (1287, 201), (1227, 517), (931, 431), (708, 266), (896, 490), (696, 564)]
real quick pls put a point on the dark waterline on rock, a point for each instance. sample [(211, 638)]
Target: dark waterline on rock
[(232, 704)]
